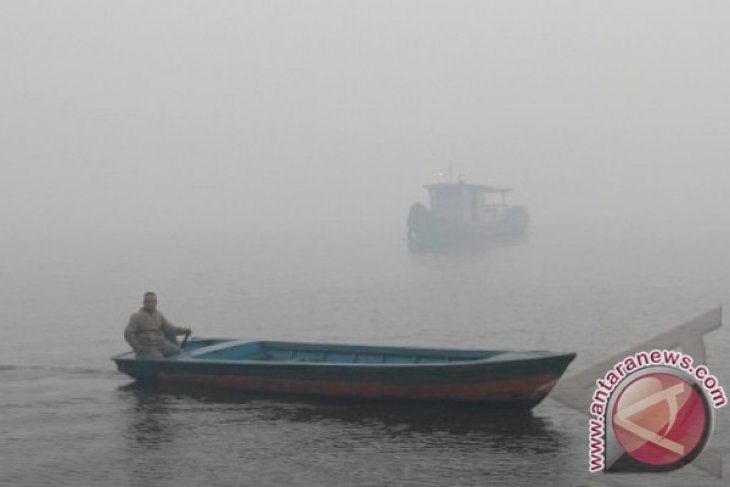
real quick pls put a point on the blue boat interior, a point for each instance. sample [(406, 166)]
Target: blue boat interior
[(261, 351)]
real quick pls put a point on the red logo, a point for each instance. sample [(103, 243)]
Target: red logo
[(661, 420)]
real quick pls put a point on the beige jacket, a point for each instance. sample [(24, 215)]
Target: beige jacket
[(146, 331)]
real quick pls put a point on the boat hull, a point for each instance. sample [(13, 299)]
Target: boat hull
[(425, 228), (520, 383)]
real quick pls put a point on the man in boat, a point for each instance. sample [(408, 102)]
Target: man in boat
[(150, 334)]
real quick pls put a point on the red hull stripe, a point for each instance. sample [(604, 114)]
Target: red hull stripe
[(531, 388)]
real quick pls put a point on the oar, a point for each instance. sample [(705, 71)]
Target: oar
[(185, 340)]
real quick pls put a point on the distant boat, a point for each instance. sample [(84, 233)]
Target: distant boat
[(485, 377), (464, 213)]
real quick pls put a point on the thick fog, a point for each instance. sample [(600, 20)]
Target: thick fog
[(175, 116)]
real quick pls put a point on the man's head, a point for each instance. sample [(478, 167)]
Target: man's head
[(150, 301)]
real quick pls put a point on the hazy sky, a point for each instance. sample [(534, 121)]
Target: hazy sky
[(170, 115)]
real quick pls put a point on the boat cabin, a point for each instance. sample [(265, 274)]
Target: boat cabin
[(465, 202)]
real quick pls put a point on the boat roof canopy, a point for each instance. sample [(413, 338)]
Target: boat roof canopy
[(465, 186)]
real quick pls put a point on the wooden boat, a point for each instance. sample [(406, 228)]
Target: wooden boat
[(462, 213), (486, 377)]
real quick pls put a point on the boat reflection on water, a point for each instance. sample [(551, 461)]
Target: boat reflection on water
[(214, 437), (157, 411), (150, 421)]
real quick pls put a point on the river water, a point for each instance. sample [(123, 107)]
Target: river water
[(68, 418)]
